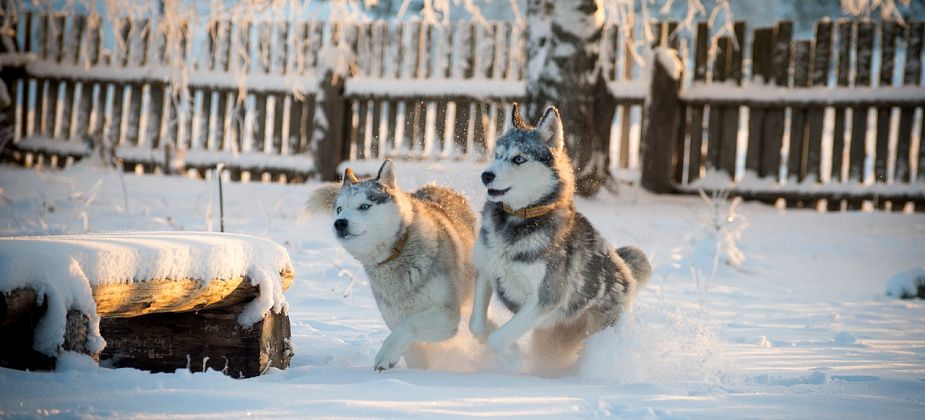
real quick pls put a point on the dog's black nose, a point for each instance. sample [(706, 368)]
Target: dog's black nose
[(340, 225), (487, 177)]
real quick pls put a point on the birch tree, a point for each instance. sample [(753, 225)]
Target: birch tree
[(563, 69)]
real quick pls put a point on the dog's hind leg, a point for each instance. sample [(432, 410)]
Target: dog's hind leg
[(416, 356), (432, 325), (554, 351)]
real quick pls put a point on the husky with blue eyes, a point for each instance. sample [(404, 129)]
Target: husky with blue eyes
[(541, 258), (415, 249)]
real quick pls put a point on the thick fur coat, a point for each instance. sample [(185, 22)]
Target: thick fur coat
[(415, 249), (540, 257)]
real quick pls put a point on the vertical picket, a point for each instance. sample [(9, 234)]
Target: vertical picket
[(774, 117), (843, 78), (695, 143), (864, 53), (911, 76), (821, 56), (888, 34), (798, 148)]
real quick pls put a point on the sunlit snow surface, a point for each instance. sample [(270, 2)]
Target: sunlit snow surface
[(803, 328)]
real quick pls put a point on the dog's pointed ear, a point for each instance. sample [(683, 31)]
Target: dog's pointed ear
[(386, 175), (514, 119), (349, 177), (550, 128)]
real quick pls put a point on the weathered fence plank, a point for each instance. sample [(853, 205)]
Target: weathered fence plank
[(659, 157), (773, 132), (729, 139), (695, 154), (798, 147), (858, 147), (911, 77), (821, 56), (721, 66), (761, 71), (888, 35), (81, 127), (843, 78)]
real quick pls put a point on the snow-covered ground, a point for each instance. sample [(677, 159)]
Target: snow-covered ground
[(803, 327)]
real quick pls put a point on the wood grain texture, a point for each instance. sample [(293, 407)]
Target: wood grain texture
[(159, 296), (210, 339)]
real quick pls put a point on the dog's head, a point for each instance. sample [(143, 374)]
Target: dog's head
[(530, 165), (369, 212)]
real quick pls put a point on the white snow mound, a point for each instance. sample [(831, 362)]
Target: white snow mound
[(63, 268), (906, 285)]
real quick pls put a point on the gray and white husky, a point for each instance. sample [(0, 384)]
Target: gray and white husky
[(415, 249), (542, 259)]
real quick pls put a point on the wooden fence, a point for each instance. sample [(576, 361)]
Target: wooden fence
[(760, 114), (816, 124), (250, 97)]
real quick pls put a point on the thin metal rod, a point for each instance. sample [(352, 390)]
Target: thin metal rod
[(221, 199)]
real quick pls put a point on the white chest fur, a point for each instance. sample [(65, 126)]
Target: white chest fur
[(520, 282), (401, 290)]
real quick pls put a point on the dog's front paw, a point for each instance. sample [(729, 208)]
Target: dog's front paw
[(388, 355), (384, 361), (507, 352)]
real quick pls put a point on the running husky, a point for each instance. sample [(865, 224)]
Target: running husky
[(542, 258), (415, 249)]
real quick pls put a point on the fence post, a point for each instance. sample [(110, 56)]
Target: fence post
[(10, 75), (663, 123), (329, 133)]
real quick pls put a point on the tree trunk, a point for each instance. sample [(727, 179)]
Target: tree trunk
[(563, 69)]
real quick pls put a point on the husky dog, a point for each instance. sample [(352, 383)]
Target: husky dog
[(542, 258), (415, 249)]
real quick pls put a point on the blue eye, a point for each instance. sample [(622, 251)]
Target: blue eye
[(338, 210), (365, 207), (518, 159)]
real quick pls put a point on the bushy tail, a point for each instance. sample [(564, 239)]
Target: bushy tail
[(637, 262), (450, 202), (322, 199)]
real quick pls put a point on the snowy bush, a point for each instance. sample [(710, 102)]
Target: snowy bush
[(907, 285), (715, 242)]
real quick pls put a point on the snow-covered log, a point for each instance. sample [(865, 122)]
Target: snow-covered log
[(222, 295)]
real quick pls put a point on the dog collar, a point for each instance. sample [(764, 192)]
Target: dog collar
[(396, 249), (529, 212)]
